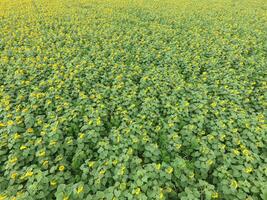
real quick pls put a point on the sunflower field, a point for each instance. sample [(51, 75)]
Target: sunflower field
[(133, 99)]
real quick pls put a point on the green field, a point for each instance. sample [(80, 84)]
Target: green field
[(133, 99)]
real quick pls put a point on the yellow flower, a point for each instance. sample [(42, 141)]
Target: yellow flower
[(16, 136), (45, 163), (246, 152), (114, 162), (158, 128), (42, 153), (53, 142), (61, 168), (171, 124), (53, 183), (39, 141), (69, 141), (25, 110), (29, 174), (236, 152), (23, 147), (222, 137), (13, 160), (169, 170), (222, 147), (90, 122), (234, 184), (102, 171), (81, 136), (145, 138), (3, 197), (178, 146), (118, 138), (215, 195), (130, 151), (10, 123), (30, 130), (161, 195), (2, 124), (48, 102), (210, 162), (66, 198), (158, 166), (82, 95), (261, 118), (122, 171), (187, 104), (248, 170), (214, 104), (14, 175), (192, 175), (210, 137), (98, 121), (91, 163), (39, 121), (137, 191), (79, 189)]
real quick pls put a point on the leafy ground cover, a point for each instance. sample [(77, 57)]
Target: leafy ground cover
[(132, 99)]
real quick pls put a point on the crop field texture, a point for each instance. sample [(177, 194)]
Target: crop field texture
[(133, 99)]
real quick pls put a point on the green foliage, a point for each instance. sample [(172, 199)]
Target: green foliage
[(119, 99)]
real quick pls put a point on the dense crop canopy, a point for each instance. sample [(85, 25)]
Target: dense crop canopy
[(133, 99)]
